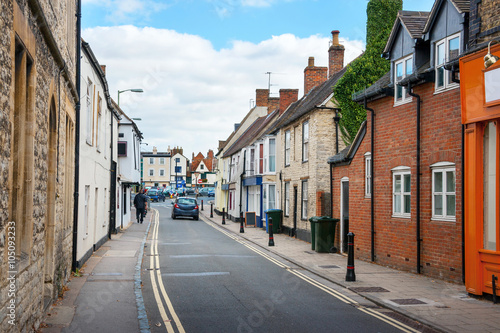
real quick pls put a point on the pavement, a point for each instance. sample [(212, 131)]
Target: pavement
[(107, 297)]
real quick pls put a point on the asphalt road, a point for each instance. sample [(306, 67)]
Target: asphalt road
[(198, 278)]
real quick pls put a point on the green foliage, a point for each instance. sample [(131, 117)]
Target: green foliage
[(367, 68)]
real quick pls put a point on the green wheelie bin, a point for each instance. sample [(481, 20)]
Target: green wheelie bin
[(324, 233), (275, 214)]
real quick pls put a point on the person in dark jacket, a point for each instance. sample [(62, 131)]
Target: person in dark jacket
[(140, 204)]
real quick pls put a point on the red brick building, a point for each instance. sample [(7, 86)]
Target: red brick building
[(398, 186)]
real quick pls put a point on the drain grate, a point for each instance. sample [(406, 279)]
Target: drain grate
[(369, 290), (329, 266), (408, 301)]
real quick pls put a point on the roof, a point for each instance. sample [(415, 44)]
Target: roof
[(346, 155), (254, 131), (315, 98), (414, 23), (380, 87), (462, 6)]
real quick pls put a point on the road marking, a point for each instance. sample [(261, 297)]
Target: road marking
[(196, 274), (179, 256), (328, 290), (156, 281)]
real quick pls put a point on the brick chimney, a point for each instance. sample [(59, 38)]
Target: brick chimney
[(313, 76), (335, 55), (287, 97), (155, 151), (261, 96), (103, 68), (273, 104)]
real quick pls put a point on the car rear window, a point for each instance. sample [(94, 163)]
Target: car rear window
[(185, 201)]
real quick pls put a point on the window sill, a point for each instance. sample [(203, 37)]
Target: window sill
[(403, 102), (450, 87), (443, 219), (401, 216)]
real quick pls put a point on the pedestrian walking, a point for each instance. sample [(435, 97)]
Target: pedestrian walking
[(141, 206)]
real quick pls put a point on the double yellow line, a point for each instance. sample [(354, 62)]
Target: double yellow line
[(157, 283), (328, 290)]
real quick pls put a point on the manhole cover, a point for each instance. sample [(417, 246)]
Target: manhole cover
[(329, 266), (369, 290), (407, 301)]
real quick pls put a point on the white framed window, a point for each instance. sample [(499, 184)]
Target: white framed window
[(368, 174), (305, 141), (151, 160), (443, 191), (162, 160), (287, 198), (90, 115), (272, 155), (202, 167), (401, 192), (304, 199), (151, 172), (402, 68), (162, 172), (272, 197), (446, 49), (287, 147)]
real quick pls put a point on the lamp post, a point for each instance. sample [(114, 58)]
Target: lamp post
[(132, 90), (337, 119)]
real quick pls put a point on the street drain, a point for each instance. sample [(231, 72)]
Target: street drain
[(408, 301), (369, 290), (308, 252), (329, 266)]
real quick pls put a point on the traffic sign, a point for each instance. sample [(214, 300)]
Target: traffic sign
[(200, 181)]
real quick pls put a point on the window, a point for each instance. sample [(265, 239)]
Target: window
[(99, 123), (305, 141), (122, 148), (162, 160), (178, 169), (177, 160), (86, 210), (304, 199), (151, 160), (443, 191), (272, 196), (287, 198), (402, 68), (368, 174), (287, 147), (121, 135), (162, 172), (151, 172), (401, 189), (490, 192), (446, 50), (90, 115), (272, 155), (202, 167)]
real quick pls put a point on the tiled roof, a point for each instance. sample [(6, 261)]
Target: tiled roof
[(253, 132), (308, 102), (413, 22), (462, 6)]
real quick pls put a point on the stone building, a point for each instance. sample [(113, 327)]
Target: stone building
[(37, 139)]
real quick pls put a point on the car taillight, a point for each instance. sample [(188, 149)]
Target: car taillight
[(176, 206), (196, 207)]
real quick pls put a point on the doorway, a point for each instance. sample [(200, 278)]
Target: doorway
[(293, 232), (344, 213)]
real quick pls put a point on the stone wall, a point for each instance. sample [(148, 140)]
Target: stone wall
[(38, 276)]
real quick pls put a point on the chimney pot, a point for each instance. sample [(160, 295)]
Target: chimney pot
[(311, 62), (335, 37)]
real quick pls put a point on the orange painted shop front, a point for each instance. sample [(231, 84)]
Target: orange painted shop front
[(480, 90)]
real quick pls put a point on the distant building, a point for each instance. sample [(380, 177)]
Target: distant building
[(203, 170), (161, 169)]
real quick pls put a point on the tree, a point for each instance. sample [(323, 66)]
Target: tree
[(367, 68)]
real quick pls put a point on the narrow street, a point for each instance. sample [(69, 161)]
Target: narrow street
[(212, 280)]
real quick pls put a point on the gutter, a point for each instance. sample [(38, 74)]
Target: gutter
[(419, 240)]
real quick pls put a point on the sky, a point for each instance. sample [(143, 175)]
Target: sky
[(199, 62)]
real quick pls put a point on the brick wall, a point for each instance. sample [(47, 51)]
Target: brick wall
[(484, 24), (395, 145)]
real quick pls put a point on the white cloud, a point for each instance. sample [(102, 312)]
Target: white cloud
[(193, 94)]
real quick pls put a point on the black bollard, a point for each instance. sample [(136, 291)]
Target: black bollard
[(223, 216), (201, 204), (494, 287), (271, 235), (211, 210), (242, 230), (350, 275)]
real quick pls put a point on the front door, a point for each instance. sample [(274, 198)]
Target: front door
[(344, 213), (294, 229)]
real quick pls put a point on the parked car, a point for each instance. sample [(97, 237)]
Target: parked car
[(211, 192), (190, 191), (185, 206), (155, 195), (205, 191)]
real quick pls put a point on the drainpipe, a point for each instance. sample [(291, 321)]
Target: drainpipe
[(372, 189), (419, 240), (454, 78), (331, 190), (77, 133), (241, 180)]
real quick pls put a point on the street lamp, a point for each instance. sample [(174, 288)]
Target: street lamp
[(132, 90)]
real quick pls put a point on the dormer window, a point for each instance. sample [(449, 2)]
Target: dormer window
[(402, 68), (446, 50)]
